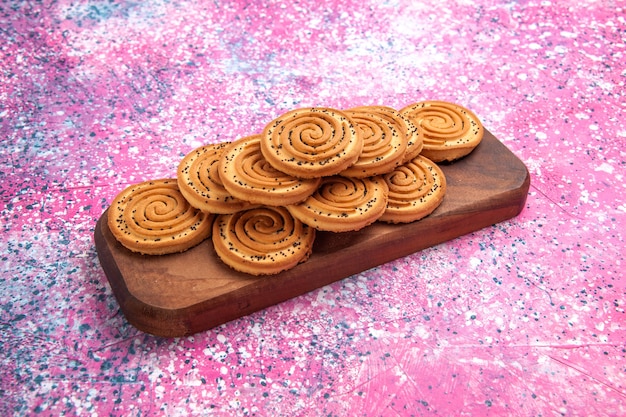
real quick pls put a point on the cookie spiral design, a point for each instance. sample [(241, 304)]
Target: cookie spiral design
[(200, 183), (343, 204), (384, 143), (416, 189), (311, 142), (262, 240), (406, 129), (450, 131), (247, 175), (154, 218)]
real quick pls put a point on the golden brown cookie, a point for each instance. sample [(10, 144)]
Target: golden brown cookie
[(450, 131), (311, 142), (416, 189), (413, 137), (200, 183), (384, 143), (262, 240), (247, 175), (342, 204), (154, 218)]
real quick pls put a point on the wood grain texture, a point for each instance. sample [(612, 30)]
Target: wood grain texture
[(181, 294)]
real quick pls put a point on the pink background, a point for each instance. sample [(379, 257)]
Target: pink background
[(523, 318)]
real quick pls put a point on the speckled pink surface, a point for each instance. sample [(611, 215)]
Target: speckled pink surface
[(524, 318)]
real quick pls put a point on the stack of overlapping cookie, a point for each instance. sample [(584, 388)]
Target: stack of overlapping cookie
[(262, 198)]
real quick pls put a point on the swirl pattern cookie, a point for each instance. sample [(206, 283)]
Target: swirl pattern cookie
[(343, 204), (450, 131), (384, 144), (154, 218), (262, 240), (416, 189), (247, 175), (200, 183), (311, 142), (407, 129)]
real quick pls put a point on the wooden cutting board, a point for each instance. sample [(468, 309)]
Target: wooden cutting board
[(180, 294)]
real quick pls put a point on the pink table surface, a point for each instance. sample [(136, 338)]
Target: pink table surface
[(524, 318)]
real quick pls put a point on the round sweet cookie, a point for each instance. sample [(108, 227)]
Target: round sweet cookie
[(414, 141), (247, 175), (450, 131), (311, 142), (384, 144), (416, 189), (343, 204), (262, 241), (154, 218), (200, 183)]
